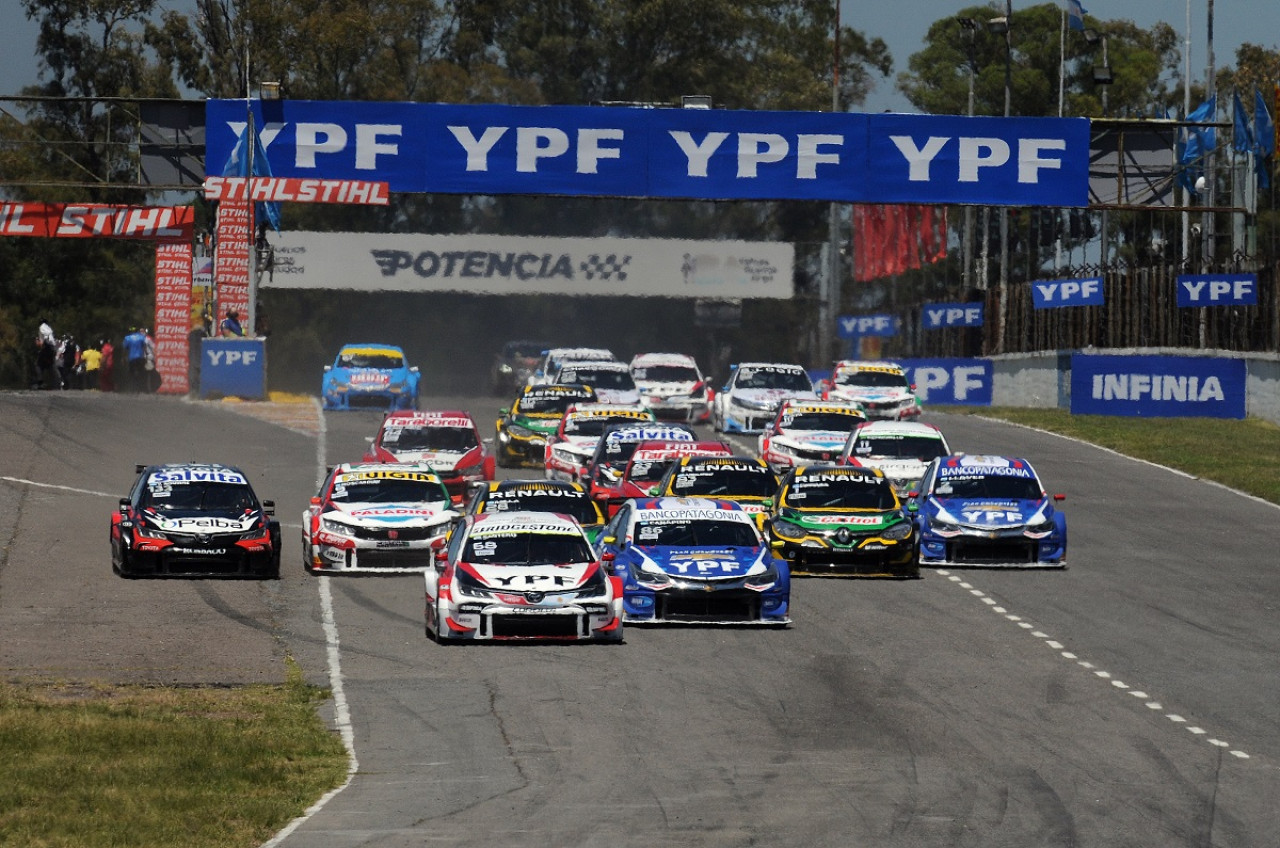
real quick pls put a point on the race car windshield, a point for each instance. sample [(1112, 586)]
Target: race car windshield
[(848, 493), (527, 549), (549, 403), (666, 374), (726, 484), (872, 379), (765, 378), (982, 486), (922, 448), (598, 379), (695, 533), (388, 491), (198, 497), (649, 470), (576, 506), (451, 439), (819, 421), (382, 361)]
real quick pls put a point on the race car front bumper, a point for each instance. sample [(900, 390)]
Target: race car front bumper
[(357, 399), (519, 449), (580, 622), (993, 549), (219, 557), (818, 556)]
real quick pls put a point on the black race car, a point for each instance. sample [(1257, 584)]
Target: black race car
[(194, 520)]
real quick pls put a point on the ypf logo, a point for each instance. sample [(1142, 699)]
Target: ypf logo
[(938, 316), (856, 326), (1218, 290), (1050, 294), (232, 357)]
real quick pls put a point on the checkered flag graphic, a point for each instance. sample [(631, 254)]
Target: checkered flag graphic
[(611, 267)]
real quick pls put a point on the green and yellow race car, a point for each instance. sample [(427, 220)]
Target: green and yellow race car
[(524, 427), (829, 520)]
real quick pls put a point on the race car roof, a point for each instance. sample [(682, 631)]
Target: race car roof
[(535, 486), (433, 418), (645, 359), (899, 428), (852, 366), (194, 472), (788, 366), (348, 471), (366, 348), (836, 472), (596, 353), (492, 523)]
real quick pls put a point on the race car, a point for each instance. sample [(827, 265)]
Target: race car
[(447, 441), (672, 385), (369, 376), (619, 441), (194, 520), (901, 449), (744, 479), (750, 400), (881, 389), (989, 511), (570, 447), (523, 428), (521, 575), (556, 496), (648, 465), (835, 520), (376, 518), (611, 380), (553, 358), (806, 431), (694, 560), (513, 365)]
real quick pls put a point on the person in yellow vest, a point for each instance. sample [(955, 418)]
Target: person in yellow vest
[(91, 358)]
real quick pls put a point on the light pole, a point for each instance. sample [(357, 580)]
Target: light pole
[(1004, 26), (970, 28)]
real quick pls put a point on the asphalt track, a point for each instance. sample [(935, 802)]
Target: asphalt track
[(1130, 700)]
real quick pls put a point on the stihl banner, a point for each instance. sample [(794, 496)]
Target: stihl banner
[(297, 190), (94, 220), (173, 316)]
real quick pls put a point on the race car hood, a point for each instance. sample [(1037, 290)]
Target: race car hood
[(821, 439), (541, 423), (368, 379), (768, 398), (988, 514), (202, 522), (581, 446), (860, 522), (896, 468), (399, 514), (549, 579), (701, 563), (623, 397), (681, 387), (440, 461)]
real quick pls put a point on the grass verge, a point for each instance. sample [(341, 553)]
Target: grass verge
[(1244, 455), (89, 766)]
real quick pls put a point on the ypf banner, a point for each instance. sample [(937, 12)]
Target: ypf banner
[(670, 153)]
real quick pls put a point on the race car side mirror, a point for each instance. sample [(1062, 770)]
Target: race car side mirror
[(504, 411), (912, 506), (609, 540), (316, 501), (328, 368), (608, 556), (653, 490), (437, 544), (137, 469), (269, 507), (124, 502), (415, 369), (1059, 497), (767, 503)]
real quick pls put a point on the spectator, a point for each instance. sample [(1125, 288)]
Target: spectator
[(91, 359), (230, 327), (152, 373), (46, 357), (68, 356), (135, 351), (107, 380)]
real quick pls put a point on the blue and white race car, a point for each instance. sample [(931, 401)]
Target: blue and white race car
[(988, 511), (370, 376), (749, 401), (694, 560)]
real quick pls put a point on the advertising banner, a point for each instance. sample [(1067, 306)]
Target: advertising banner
[(96, 220), (673, 153), (294, 190), (484, 264), (1158, 386), (940, 316), (1051, 294), (173, 316), (231, 259), (950, 381), (233, 368), (1218, 290), (856, 326)]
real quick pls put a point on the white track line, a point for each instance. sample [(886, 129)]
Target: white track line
[(341, 711), (60, 488), (1118, 685)]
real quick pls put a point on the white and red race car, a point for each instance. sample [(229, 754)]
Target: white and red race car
[(672, 385), (881, 389), (807, 433), (570, 448), (376, 518), (447, 440)]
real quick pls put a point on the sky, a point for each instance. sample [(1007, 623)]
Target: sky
[(901, 23)]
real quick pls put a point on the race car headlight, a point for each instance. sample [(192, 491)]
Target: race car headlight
[(147, 531), (654, 578), (331, 526), (594, 586), (787, 530), (471, 586), (504, 368), (764, 579), (782, 448), (943, 523), (520, 432), (747, 403), (1040, 528), (898, 532)]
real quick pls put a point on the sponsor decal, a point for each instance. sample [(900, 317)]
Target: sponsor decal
[(390, 512), (196, 475), (978, 472), (199, 551), (861, 520), (357, 476), (370, 379), (650, 516), (195, 525)]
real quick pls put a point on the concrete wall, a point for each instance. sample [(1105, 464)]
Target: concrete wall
[(1044, 379)]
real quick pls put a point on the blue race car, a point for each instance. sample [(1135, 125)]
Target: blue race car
[(370, 376), (988, 511), (694, 560)]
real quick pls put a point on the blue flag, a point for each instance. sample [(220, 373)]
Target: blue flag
[(1075, 15), (1199, 141), (1242, 129), (1264, 141), (238, 166)]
